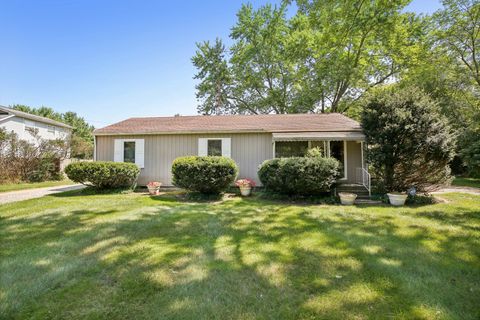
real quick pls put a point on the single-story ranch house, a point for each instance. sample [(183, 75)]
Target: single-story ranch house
[(153, 143)]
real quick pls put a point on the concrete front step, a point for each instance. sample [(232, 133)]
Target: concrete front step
[(359, 190)]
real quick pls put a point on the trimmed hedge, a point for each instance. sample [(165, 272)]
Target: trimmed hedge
[(103, 174), (299, 175), (204, 174)]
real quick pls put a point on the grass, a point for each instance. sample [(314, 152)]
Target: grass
[(32, 185), (466, 182), (131, 256)]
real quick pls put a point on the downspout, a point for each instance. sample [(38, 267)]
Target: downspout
[(94, 148)]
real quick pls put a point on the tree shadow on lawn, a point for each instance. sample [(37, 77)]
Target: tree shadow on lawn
[(235, 259)]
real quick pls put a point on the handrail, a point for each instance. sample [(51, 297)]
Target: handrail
[(364, 178)]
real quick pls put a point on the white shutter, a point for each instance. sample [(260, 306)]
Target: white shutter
[(140, 153), (226, 147), (118, 150), (202, 147)]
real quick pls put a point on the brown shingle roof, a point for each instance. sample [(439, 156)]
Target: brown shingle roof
[(233, 123)]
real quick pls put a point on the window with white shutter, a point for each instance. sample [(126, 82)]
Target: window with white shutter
[(214, 147), (130, 150)]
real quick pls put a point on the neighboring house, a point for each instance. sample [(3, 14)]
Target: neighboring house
[(153, 143), (23, 124)]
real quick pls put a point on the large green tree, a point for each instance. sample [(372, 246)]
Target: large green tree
[(325, 55), (410, 142), (447, 68), (82, 133)]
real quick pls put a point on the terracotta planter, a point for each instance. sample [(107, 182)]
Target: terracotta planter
[(347, 198), (397, 199), (154, 190), (245, 191)]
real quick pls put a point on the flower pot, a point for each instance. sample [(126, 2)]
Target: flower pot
[(347, 198), (154, 190), (245, 191), (397, 199)]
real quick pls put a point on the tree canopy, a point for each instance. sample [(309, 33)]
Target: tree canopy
[(324, 55)]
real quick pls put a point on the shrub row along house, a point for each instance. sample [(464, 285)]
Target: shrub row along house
[(153, 143)]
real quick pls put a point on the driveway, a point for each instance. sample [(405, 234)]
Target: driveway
[(7, 197)]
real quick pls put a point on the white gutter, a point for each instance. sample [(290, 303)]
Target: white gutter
[(7, 117)]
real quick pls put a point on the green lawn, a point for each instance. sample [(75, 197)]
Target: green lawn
[(130, 256), (466, 182), (32, 185)]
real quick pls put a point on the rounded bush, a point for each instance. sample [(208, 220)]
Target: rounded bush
[(103, 174), (204, 174), (299, 175)]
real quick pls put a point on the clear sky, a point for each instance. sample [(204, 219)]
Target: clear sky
[(109, 60)]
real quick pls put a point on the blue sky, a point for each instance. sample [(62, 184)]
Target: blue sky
[(110, 60)]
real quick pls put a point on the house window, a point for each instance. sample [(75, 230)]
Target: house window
[(284, 149), (129, 151), (51, 129), (214, 147), (29, 125), (337, 151)]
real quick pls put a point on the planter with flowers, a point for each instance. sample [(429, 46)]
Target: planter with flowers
[(154, 187), (245, 186)]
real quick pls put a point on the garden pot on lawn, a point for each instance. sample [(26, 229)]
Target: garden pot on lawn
[(397, 199), (245, 191), (347, 198), (154, 188)]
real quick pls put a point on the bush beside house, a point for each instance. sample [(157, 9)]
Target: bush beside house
[(25, 161), (103, 174), (209, 175), (410, 143), (299, 175)]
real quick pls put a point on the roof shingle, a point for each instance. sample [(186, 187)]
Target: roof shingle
[(233, 123)]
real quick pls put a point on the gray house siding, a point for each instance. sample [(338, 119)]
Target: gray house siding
[(248, 150)]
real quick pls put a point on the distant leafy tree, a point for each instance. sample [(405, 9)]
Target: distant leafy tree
[(82, 133), (459, 33), (410, 143)]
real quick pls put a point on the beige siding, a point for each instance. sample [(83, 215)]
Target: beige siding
[(354, 160), (249, 150)]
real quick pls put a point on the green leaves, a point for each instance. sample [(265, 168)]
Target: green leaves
[(410, 143), (327, 53)]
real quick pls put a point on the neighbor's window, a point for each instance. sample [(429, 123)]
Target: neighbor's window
[(214, 147), (129, 151), (285, 149), (51, 129), (29, 125)]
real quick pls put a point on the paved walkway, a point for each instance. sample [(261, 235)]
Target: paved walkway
[(449, 189), (6, 197)]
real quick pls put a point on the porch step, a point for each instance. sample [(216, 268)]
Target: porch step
[(358, 189)]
